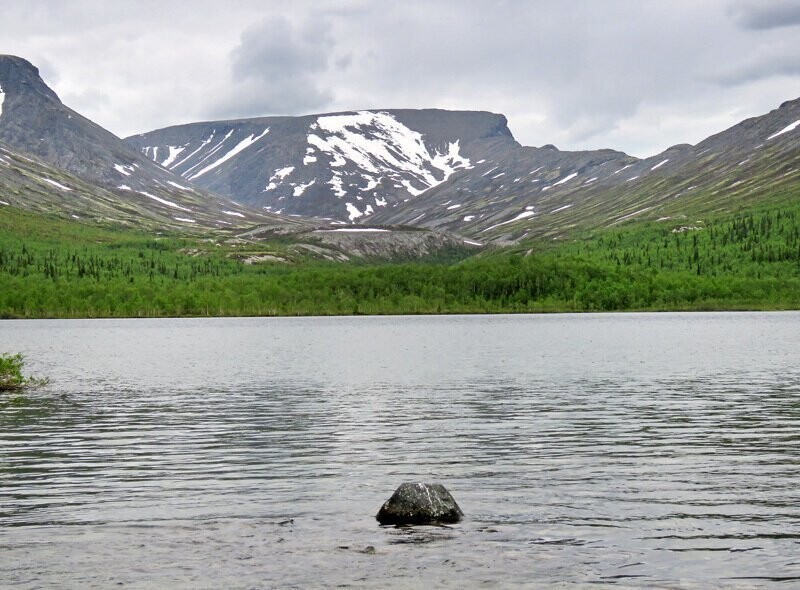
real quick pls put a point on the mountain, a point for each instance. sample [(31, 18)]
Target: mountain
[(464, 172), (88, 171), (458, 172), (344, 166), (54, 161), (415, 167), (555, 194)]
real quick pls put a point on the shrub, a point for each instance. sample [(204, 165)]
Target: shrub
[(11, 377)]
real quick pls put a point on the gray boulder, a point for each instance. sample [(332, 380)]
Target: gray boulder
[(420, 503)]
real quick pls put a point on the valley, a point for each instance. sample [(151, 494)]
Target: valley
[(383, 212)]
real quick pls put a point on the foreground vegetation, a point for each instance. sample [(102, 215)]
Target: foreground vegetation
[(11, 377), (751, 260)]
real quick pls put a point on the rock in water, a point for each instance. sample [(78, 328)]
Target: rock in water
[(420, 503)]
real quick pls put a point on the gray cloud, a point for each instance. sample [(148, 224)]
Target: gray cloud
[(766, 14), (275, 69), (630, 75), (759, 68), (582, 68)]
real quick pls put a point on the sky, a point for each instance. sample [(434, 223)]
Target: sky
[(633, 75)]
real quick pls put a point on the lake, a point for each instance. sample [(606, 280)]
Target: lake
[(631, 450)]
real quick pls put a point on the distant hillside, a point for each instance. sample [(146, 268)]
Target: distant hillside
[(555, 194), (458, 172), (94, 173), (345, 166), (463, 171)]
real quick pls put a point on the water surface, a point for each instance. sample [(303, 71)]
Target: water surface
[(655, 450)]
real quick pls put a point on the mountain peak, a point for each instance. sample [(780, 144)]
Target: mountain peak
[(19, 77)]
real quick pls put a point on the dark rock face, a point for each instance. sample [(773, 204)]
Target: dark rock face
[(35, 121), (420, 503), (105, 179)]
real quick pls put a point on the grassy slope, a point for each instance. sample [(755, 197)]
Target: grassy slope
[(749, 260), (714, 184)]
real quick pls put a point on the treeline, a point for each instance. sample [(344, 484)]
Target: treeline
[(97, 264), (502, 284), (742, 245), (751, 261)]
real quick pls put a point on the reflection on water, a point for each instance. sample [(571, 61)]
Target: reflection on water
[(634, 450)]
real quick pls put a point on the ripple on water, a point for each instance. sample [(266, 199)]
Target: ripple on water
[(682, 473)]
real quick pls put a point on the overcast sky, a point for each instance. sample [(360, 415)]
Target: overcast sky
[(634, 75)]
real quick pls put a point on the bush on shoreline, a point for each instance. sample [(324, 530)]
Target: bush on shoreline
[(11, 377)]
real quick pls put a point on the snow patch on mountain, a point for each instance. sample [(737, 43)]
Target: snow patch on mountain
[(372, 183), (180, 186), (353, 212), (174, 152), (338, 189), (354, 230), (58, 185), (2, 100), (210, 153), (282, 173), (277, 177), (242, 145), (378, 145), (124, 170), (412, 190), (660, 164), (163, 201), (299, 189), (787, 129), (623, 168), (523, 215), (203, 144), (566, 179)]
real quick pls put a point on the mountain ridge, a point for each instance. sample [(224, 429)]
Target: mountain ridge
[(453, 171), (34, 122), (56, 162), (502, 191), (326, 156)]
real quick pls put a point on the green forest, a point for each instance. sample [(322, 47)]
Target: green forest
[(52, 268)]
